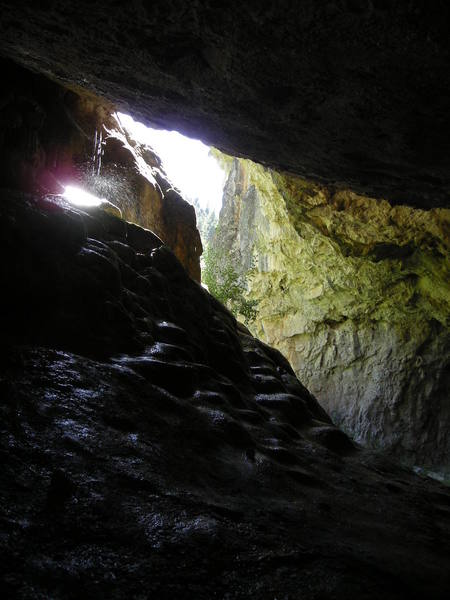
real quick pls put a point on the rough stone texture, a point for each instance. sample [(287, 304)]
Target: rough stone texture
[(51, 136), (348, 91), (131, 176), (152, 448), (356, 294)]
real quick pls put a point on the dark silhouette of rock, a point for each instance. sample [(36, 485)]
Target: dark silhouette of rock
[(352, 92), (152, 448)]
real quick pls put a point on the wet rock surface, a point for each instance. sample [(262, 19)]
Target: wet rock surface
[(152, 448), (355, 293), (348, 91)]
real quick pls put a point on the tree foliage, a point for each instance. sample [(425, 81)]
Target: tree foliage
[(226, 284), (220, 268), (206, 222)]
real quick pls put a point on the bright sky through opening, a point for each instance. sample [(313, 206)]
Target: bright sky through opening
[(187, 163)]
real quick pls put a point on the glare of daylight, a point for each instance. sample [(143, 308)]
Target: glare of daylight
[(187, 163)]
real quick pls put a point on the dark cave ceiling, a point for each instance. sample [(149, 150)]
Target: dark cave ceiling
[(353, 92)]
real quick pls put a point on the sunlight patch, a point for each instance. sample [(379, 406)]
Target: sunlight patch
[(80, 197), (187, 162)]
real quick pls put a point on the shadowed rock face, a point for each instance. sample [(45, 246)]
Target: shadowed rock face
[(352, 92), (152, 448)]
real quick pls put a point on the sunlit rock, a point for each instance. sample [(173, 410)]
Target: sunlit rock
[(132, 178), (356, 295)]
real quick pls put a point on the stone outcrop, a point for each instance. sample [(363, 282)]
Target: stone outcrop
[(355, 293), (349, 91), (151, 447), (131, 176), (52, 136)]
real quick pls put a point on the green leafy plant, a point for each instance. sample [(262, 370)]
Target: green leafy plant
[(226, 284), (206, 222), (220, 268)]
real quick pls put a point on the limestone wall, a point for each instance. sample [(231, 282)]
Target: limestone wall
[(355, 293)]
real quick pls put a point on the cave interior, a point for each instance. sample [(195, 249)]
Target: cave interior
[(152, 447)]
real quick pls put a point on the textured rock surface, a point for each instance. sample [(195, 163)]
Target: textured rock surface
[(355, 293), (352, 91), (152, 448), (51, 136), (131, 176)]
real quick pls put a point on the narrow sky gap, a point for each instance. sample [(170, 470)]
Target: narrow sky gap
[(187, 163)]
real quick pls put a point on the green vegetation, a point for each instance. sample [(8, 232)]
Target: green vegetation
[(226, 284), (206, 222), (220, 269)]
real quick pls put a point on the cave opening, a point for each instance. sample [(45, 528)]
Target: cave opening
[(200, 173), (189, 163), (154, 446), (352, 290)]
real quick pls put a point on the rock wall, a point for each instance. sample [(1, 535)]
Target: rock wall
[(356, 294), (152, 448), (131, 176), (51, 136)]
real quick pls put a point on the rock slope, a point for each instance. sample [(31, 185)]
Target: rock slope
[(355, 293), (152, 448)]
